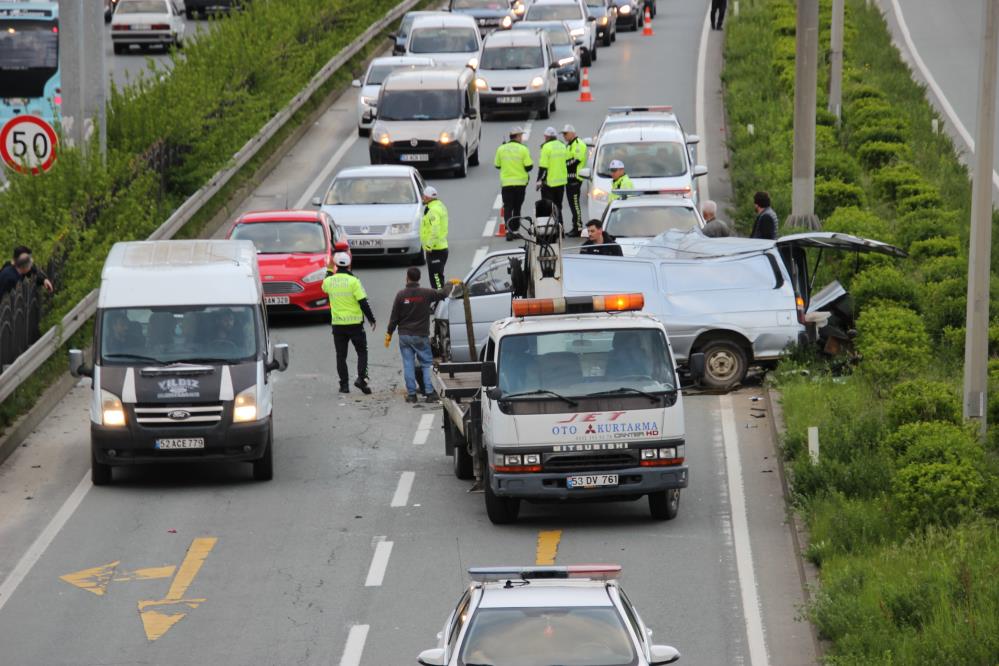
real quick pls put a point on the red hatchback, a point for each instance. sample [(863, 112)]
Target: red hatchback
[(294, 247)]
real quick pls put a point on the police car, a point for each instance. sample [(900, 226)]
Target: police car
[(575, 615)]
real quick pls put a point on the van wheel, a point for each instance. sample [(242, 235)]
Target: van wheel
[(545, 112), (501, 510), (593, 52), (473, 160), (263, 469), (553, 107), (100, 474), (665, 504), (725, 364), (607, 38), (462, 170)]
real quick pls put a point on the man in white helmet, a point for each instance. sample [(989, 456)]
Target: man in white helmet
[(433, 235), (513, 159), (620, 179), (348, 309)]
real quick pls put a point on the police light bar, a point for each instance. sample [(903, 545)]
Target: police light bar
[(676, 192), (640, 109), (532, 307), (579, 571)]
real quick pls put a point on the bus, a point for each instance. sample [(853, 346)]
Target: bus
[(30, 83)]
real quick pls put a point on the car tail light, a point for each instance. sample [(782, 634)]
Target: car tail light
[(160, 26)]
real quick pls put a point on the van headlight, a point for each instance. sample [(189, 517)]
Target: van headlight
[(626, 9), (603, 20), (537, 82), (112, 411), (244, 408), (480, 84), (397, 229), (315, 276), (598, 194), (506, 22), (445, 138), (383, 138), (368, 101), (577, 32)]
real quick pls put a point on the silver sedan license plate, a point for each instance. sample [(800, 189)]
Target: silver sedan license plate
[(180, 443), (591, 481), (365, 243), (277, 300), (509, 100), (415, 157)]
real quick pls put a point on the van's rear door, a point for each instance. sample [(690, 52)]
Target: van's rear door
[(831, 240)]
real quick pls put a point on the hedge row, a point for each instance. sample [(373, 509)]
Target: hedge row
[(902, 484)]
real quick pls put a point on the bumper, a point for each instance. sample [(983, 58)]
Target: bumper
[(311, 299), (135, 37), (602, 30), (633, 482), (534, 101), (439, 156), (568, 76), (135, 445), (630, 20), (385, 246)]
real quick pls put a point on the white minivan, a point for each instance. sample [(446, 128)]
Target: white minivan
[(450, 39)]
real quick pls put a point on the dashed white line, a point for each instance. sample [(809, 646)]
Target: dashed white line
[(489, 228), (354, 647), (498, 202), (480, 254), (740, 532), (401, 496), (423, 430), (325, 173), (379, 562)]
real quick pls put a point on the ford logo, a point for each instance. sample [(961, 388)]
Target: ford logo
[(179, 415), (413, 143)]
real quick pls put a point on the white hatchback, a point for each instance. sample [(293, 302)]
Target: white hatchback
[(635, 219), (378, 71), (147, 23), (452, 40)]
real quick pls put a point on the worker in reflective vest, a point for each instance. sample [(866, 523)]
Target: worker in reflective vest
[(433, 235), (576, 160), (348, 310), (552, 171), (513, 160)]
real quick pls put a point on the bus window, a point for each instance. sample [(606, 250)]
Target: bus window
[(29, 60)]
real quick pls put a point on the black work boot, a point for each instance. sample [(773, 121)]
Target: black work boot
[(363, 385), (344, 388)]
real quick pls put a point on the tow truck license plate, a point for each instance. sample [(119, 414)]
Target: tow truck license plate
[(277, 300), (591, 481), (181, 443), (508, 100)]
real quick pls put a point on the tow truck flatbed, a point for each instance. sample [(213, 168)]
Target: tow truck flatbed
[(457, 380)]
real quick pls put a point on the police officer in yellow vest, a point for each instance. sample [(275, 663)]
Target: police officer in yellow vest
[(348, 308), (552, 171), (576, 159), (433, 235), (513, 160), (620, 179)]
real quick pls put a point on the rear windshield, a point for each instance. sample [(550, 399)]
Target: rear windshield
[(142, 7), (649, 221), (647, 159), (554, 13), (521, 57), (379, 73), (371, 191), (420, 105), (283, 237), (444, 40), (480, 4), (557, 34)]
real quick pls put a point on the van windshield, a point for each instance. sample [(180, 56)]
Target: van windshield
[(480, 4), (521, 57), (644, 159), (420, 105), (283, 237), (176, 334), (444, 40), (581, 363), (649, 221), (554, 12)]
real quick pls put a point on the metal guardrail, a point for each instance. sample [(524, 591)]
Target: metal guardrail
[(47, 345)]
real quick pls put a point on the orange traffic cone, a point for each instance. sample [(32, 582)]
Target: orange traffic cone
[(501, 228), (584, 88), (647, 31)]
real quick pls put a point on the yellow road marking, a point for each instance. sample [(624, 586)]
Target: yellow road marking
[(150, 573), (94, 579), (547, 546), (189, 568), (159, 615)]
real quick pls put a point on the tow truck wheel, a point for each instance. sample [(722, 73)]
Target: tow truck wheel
[(263, 469), (501, 510), (665, 504), (462, 462), (100, 474), (725, 364)]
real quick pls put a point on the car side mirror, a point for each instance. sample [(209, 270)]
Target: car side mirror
[(431, 657), (317, 201), (588, 141), (591, 19), (695, 365), (489, 374), (356, 83), (279, 358), (693, 139), (700, 170), (585, 172), (77, 367), (662, 654), (393, 35)]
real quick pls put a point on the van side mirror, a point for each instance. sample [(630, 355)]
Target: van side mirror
[(663, 654), (695, 366), (585, 172), (317, 201), (431, 657), (693, 139), (591, 19), (77, 367), (700, 170), (489, 374), (589, 141), (279, 358), (356, 83)]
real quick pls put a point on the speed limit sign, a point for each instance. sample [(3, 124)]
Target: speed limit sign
[(28, 143)]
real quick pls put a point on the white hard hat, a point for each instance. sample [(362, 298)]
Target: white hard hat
[(430, 191), (514, 131), (341, 259), (616, 164), (550, 131), (568, 128)]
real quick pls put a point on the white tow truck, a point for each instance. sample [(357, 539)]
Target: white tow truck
[(573, 398)]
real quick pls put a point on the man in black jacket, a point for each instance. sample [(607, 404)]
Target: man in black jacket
[(22, 267), (411, 314), (600, 242), (766, 222)]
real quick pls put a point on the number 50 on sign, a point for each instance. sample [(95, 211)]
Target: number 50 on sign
[(28, 144)]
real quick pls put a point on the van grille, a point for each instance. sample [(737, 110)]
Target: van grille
[(282, 288), (500, 89), (582, 462), (160, 416), (408, 144)]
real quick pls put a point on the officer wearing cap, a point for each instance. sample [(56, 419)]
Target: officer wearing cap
[(348, 309), (513, 160), (576, 150), (433, 235), (552, 172), (620, 179)]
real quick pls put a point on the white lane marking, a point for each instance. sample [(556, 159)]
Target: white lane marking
[(480, 254), (527, 130), (44, 540), (699, 106), (498, 202), (932, 83), (740, 531), (354, 647), (489, 228), (325, 173), (379, 562), (401, 496), (423, 430)]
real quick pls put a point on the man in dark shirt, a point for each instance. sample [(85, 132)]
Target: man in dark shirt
[(600, 242), (411, 312), (766, 222), (22, 267)]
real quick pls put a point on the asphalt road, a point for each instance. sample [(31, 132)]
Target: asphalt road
[(357, 550)]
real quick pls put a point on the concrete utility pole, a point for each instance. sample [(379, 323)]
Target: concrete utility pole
[(805, 82), (836, 59), (81, 59), (976, 340)]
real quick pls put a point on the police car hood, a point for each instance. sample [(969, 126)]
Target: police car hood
[(599, 430)]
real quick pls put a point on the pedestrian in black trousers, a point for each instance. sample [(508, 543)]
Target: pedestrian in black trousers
[(718, 13)]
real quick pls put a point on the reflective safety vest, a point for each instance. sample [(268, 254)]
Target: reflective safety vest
[(513, 159), (577, 151), (344, 291), (433, 227), (622, 183), (553, 158)]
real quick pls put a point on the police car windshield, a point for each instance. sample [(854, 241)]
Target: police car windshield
[(649, 221), (371, 191), (505, 57), (283, 237), (553, 12), (645, 159), (567, 636), (579, 363), (444, 40), (176, 334), (420, 105)]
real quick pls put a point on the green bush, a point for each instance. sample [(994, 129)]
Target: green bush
[(916, 202), (885, 132), (935, 269), (858, 222), (877, 154), (837, 164), (937, 493), (922, 436), (840, 525), (832, 194), (857, 91), (922, 400), (944, 304), (932, 248), (883, 283), (889, 179), (924, 224), (893, 343)]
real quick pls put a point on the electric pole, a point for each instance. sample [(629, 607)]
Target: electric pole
[(836, 59), (805, 97)]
